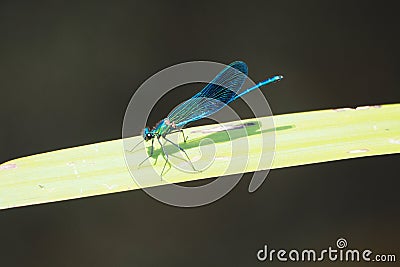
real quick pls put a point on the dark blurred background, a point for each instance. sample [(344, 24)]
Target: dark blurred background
[(69, 68)]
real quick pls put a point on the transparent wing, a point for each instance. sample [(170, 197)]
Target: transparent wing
[(214, 96)]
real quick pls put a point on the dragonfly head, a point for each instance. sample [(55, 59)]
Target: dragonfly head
[(147, 134)]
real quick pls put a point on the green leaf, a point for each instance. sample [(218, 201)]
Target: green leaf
[(301, 138)]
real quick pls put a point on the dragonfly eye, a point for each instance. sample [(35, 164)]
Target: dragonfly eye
[(148, 136)]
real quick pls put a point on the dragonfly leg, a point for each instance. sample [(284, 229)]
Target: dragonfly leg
[(181, 149), (166, 156), (131, 150), (151, 153), (184, 138)]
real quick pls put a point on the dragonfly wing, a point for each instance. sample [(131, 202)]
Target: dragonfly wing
[(214, 96), (195, 109)]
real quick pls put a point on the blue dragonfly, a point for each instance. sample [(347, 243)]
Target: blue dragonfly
[(221, 91)]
